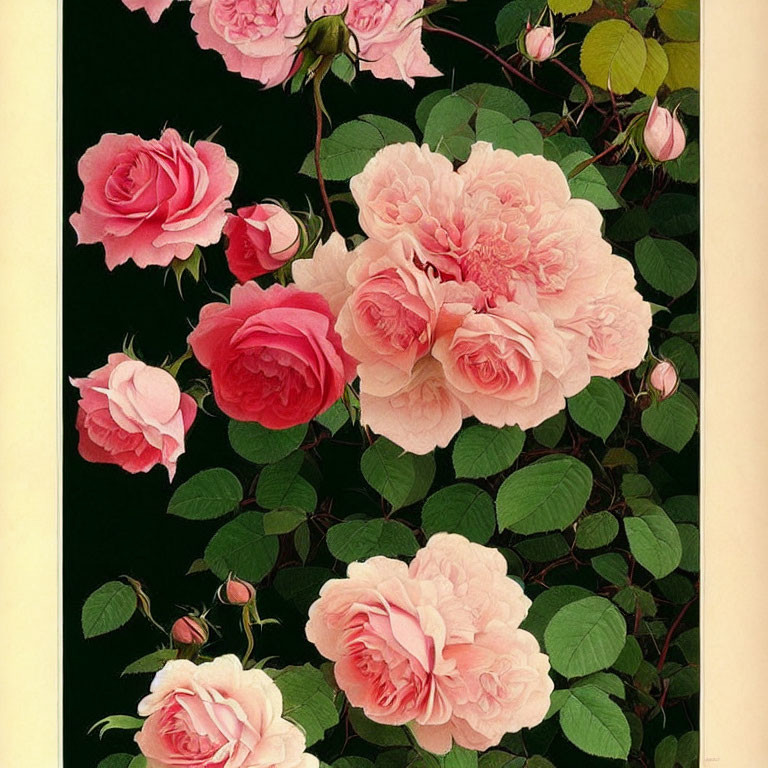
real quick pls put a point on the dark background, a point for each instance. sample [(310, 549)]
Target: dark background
[(123, 74)]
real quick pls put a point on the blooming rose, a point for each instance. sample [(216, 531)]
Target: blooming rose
[(273, 355), (132, 415), (153, 201), (154, 8), (261, 239), (257, 38), (388, 46), (421, 644), (217, 715)]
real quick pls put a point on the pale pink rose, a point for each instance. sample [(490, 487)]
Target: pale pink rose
[(218, 715), (261, 238), (615, 323), (539, 43), (257, 38), (510, 366), (273, 354), (153, 201), (663, 135), (326, 272), (664, 379), (418, 645), (389, 320), (419, 417), (154, 8), (388, 46), (409, 192), (132, 415)]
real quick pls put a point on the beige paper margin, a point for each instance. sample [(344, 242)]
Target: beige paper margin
[(735, 315)]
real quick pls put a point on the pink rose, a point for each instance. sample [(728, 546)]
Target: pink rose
[(217, 714), (539, 43), (257, 38), (273, 355), (421, 415), (664, 379), (153, 201), (388, 46), (326, 272), (663, 135), (261, 239), (132, 415), (418, 644), (154, 8)]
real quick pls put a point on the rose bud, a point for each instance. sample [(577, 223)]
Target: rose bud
[(663, 135), (190, 630), (539, 43), (664, 379), (261, 239), (328, 36), (237, 592)]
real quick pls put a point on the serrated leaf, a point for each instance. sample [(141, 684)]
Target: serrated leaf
[(426, 104), (264, 446), (687, 167), (567, 7), (667, 265), (119, 760), (498, 99), (595, 724), (483, 450), (334, 418), (598, 407), (460, 508), (596, 530), (671, 422), (542, 549), (682, 509), (301, 586), (630, 657), (688, 749), (392, 131), (206, 495), (683, 355), (281, 486), (389, 470), (545, 496), (613, 54), (243, 548), (381, 735), (512, 19), (550, 432), (605, 681), (654, 542), (519, 136), (447, 129), (612, 567), (107, 609), (684, 67), (679, 19), (302, 541), (620, 457), (307, 701), (346, 151), (152, 662), (547, 604), (666, 752), (656, 67), (589, 183), (635, 486), (359, 539), (280, 521), (689, 540), (689, 643)]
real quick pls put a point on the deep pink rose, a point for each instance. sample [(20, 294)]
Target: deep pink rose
[(419, 644), (388, 46), (132, 415), (154, 8), (257, 38), (261, 238), (153, 201), (217, 715), (273, 355)]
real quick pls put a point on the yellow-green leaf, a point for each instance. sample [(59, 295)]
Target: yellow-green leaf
[(656, 67), (683, 65), (569, 6), (613, 56), (679, 19)]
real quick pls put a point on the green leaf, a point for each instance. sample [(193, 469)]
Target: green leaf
[(545, 496), (460, 508), (483, 450), (285, 520), (496, 758), (117, 723), (390, 471), (688, 750), (302, 541), (654, 542), (632, 225), (346, 151), (264, 446), (585, 636), (108, 608), (605, 681), (634, 486), (671, 422), (595, 724), (425, 468), (381, 735), (426, 104), (679, 19), (512, 19), (334, 418), (612, 567), (588, 184), (359, 539), (152, 662), (352, 762), (641, 17), (138, 762), (687, 167), (550, 432), (619, 457), (613, 56), (674, 214), (343, 68), (598, 407), (569, 6), (686, 100), (542, 549), (684, 683), (676, 588), (281, 486), (560, 145), (682, 509), (206, 495), (190, 266), (496, 99), (630, 657), (597, 530), (689, 540), (301, 586), (665, 754), (307, 701), (393, 131), (667, 265), (684, 66), (683, 355), (547, 604), (689, 643), (243, 548), (656, 67), (521, 137), (447, 129), (119, 760)]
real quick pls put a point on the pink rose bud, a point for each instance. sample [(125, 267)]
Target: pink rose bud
[(664, 379), (663, 135), (190, 630), (261, 239), (238, 592), (539, 43)]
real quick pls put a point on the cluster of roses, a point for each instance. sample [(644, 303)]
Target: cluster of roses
[(259, 38), (435, 645)]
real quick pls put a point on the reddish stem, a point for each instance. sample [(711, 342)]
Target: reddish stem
[(318, 140), (583, 83), (670, 634)]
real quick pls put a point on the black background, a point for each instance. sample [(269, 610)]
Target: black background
[(123, 74)]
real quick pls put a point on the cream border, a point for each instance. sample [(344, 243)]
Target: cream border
[(735, 663)]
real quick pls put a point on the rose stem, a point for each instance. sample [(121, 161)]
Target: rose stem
[(670, 634), (583, 83), (318, 139)]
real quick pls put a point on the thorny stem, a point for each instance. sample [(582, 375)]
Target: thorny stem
[(583, 83), (318, 140)]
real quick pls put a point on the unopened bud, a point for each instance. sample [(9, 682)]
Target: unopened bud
[(327, 36), (238, 592), (190, 630), (539, 43), (664, 379), (663, 136)]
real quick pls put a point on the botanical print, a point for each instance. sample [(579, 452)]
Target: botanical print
[(381, 331)]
